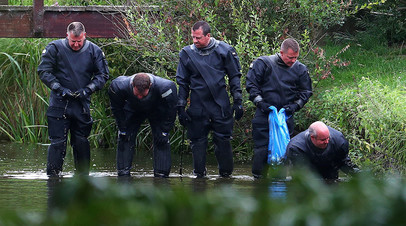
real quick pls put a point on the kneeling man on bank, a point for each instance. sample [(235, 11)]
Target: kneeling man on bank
[(134, 99), (323, 149)]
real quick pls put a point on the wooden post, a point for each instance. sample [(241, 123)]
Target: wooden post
[(38, 18)]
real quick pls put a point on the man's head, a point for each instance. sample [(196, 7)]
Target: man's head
[(289, 51), (76, 35), (141, 84), (319, 134), (201, 34)]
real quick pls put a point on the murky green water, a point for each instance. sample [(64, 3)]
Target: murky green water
[(24, 184)]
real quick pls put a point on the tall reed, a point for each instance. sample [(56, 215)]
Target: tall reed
[(23, 106)]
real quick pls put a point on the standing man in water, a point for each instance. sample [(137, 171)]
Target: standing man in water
[(73, 68), (134, 99), (283, 82), (321, 148), (201, 73)]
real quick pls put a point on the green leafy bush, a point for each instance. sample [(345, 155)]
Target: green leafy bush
[(385, 22)]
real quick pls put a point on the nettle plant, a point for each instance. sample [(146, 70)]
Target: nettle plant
[(323, 65)]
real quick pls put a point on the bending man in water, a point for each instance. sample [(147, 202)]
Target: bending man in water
[(134, 99), (323, 149)]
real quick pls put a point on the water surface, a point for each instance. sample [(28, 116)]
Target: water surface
[(24, 184)]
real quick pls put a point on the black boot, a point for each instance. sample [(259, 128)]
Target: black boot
[(259, 162), (125, 153), (81, 154), (56, 155), (224, 156), (199, 157), (162, 158)]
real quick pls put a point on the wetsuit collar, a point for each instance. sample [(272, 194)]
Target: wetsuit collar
[(84, 47), (280, 62), (208, 49)]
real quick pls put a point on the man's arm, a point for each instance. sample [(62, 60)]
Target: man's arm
[(295, 156), (101, 73), (255, 77), (183, 79), (117, 102), (233, 69), (47, 65), (305, 89), (169, 96)]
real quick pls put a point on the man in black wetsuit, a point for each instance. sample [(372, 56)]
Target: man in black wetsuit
[(321, 148), (201, 73), (283, 82), (134, 99), (73, 68)]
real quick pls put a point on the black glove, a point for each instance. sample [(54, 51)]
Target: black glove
[(238, 110), (60, 90), (264, 107), (183, 117), (65, 92), (83, 93), (291, 108)]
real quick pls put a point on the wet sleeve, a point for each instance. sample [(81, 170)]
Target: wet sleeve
[(305, 88), (183, 79), (101, 71), (117, 102), (47, 65), (169, 95), (254, 80), (233, 68), (295, 156)]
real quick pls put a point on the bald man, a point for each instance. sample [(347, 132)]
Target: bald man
[(323, 149)]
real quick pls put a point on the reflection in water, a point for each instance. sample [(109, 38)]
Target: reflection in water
[(277, 189), (23, 166), (52, 185)]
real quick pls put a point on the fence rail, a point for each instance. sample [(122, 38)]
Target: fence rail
[(37, 21)]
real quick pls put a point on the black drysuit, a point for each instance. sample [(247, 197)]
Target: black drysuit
[(325, 162), (74, 70), (210, 107), (159, 107), (270, 80)]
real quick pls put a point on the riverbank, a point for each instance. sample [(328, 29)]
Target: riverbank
[(366, 100)]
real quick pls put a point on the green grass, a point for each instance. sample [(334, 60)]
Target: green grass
[(381, 63)]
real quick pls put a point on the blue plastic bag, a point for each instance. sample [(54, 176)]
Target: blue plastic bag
[(278, 136)]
